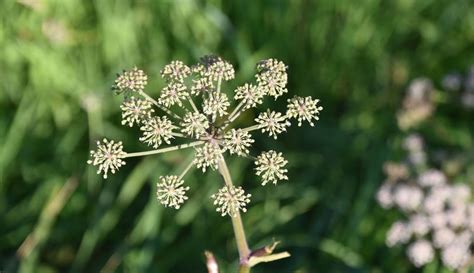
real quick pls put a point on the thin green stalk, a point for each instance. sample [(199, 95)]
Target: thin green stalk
[(167, 111), (252, 128), (237, 225), (192, 104), (164, 150), (186, 170), (236, 111)]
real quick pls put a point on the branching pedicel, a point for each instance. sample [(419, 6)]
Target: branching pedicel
[(209, 129)]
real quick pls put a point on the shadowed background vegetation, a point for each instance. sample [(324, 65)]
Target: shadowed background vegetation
[(59, 58)]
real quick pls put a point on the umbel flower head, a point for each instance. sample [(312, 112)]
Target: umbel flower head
[(108, 156), (171, 192), (229, 200), (134, 80), (208, 128)]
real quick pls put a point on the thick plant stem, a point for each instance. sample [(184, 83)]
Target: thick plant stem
[(244, 269), (237, 225)]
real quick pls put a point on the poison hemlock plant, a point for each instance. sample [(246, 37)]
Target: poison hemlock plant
[(207, 127)]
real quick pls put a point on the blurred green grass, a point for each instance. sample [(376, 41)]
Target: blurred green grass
[(58, 60)]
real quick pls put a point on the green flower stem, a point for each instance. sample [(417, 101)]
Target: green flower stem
[(237, 110), (164, 150), (237, 225), (192, 104), (178, 135), (244, 269), (253, 128), (219, 83), (167, 111), (186, 170)]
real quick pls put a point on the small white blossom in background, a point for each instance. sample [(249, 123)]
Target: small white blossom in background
[(420, 224), (108, 156), (408, 197), (432, 178), (417, 105), (455, 256), (229, 200), (443, 237), (420, 253), (171, 192), (399, 233), (384, 195), (194, 110)]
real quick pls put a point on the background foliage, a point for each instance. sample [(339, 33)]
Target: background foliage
[(59, 58)]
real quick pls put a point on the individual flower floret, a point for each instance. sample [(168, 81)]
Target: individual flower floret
[(384, 195), (238, 142), (207, 155), (272, 122), (303, 109), (271, 65), (171, 192), (408, 197), (156, 130), (108, 156), (398, 233), (249, 94), (215, 68), (455, 255), (175, 71), (272, 77), (270, 166), (443, 237), (216, 105), (419, 224), (420, 253), (173, 94), (135, 111), (134, 80), (432, 178), (194, 124), (201, 85), (229, 200)]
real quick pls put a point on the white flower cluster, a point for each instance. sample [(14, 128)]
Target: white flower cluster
[(207, 125), (438, 215)]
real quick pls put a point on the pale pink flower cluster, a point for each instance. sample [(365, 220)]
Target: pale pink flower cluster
[(462, 85), (437, 215)]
